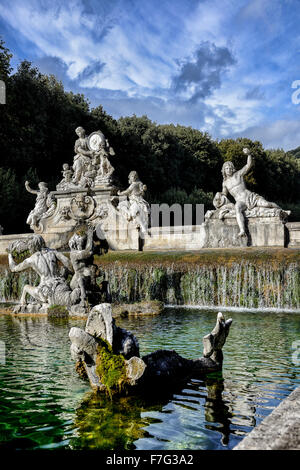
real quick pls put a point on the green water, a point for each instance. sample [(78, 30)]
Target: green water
[(44, 404)]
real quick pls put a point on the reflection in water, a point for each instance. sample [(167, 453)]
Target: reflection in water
[(44, 404), (107, 424), (217, 414)]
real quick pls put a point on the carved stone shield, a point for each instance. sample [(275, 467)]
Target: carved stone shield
[(95, 141), (82, 207)]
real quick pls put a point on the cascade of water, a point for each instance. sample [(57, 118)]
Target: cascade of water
[(241, 284)]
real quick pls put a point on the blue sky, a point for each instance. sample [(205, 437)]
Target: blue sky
[(221, 66)]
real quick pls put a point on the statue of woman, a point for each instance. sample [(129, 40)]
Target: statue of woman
[(135, 208), (83, 156), (40, 205)]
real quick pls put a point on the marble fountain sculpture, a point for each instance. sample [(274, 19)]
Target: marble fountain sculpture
[(250, 221), (108, 356), (53, 269), (88, 194)]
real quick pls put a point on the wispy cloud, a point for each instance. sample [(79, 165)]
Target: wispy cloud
[(224, 70)]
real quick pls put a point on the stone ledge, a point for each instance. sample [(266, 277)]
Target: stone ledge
[(278, 431)]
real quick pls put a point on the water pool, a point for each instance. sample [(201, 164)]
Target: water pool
[(44, 404)]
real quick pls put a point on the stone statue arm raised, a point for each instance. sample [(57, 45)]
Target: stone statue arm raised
[(15, 268), (249, 163), (89, 243), (64, 260), (88, 251), (32, 191)]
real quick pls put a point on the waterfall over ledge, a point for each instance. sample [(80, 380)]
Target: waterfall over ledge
[(251, 278)]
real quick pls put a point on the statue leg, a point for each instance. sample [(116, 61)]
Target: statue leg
[(240, 218), (263, 203), (78, 168), (82, 290), (78, 282), (33, 291)]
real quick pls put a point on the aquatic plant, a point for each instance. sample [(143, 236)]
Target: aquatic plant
[(110, 368)]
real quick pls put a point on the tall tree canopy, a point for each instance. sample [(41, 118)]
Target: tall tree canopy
[(178, 164)]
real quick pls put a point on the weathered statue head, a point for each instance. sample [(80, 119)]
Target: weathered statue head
[(43, 186), (80, 131), (228, 169), (36, 243), (133, 176)]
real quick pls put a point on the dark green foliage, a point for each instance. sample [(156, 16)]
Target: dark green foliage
[(178, 164), (295, 152)]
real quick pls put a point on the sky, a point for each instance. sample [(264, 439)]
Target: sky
[(226, 67)]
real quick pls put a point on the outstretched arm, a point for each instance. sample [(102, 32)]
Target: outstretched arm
[(249, 163), (32, 191), (89, 243), (18, 267), (127, 191)]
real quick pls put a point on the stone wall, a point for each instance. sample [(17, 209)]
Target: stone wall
[(269, 232)]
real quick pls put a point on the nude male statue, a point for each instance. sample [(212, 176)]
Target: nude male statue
[(52, 288), (234, 184)]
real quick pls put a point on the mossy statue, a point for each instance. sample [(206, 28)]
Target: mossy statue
[(109, 356)]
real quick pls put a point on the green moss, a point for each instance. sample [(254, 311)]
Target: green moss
[(111, 368), (258, 256), (18, 257), (59, 311)]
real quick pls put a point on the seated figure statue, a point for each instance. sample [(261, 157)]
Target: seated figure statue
[(83, 156), (234, 184), (66, 183), (53, 288), (135, 208), (105, 168)]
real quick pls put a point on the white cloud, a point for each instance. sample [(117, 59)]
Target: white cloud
[(140, 46), (279, 134)]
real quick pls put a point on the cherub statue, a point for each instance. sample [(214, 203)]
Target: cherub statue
[(66, 183), (135, 208), (105, 169), (40, 205), (234, 184)]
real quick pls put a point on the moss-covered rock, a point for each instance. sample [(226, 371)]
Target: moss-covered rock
[(110, 368), (57, 311)]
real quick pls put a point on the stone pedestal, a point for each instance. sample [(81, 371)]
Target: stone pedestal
[(261, 231), (294, 234), (93, 207)]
